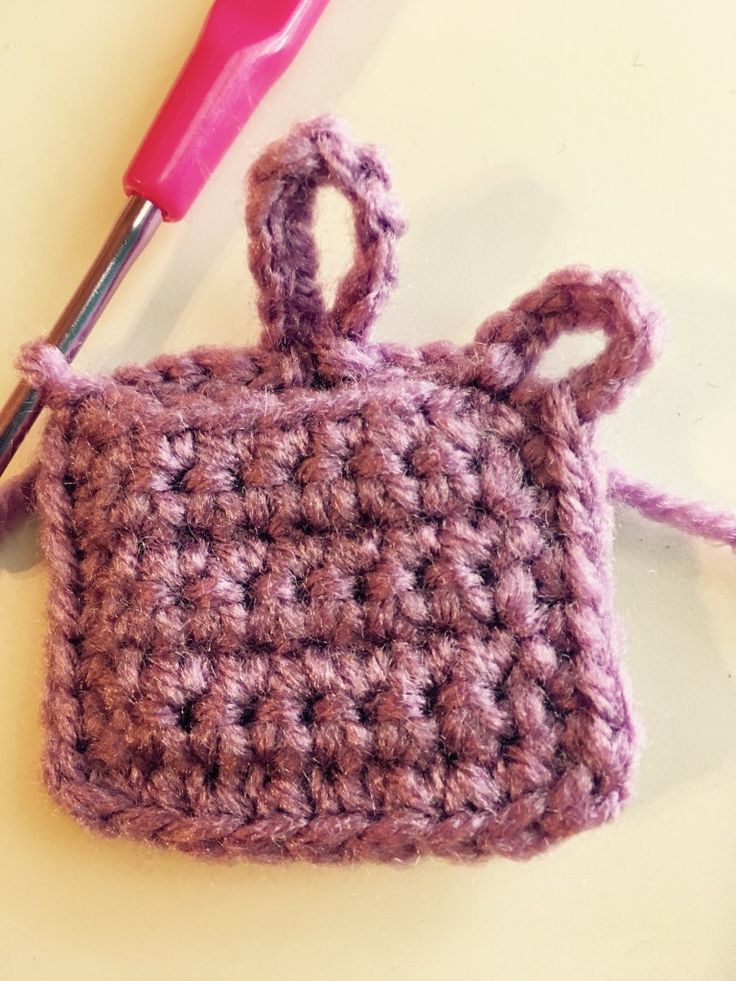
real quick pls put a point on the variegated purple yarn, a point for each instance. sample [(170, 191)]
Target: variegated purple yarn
[(335, 600)]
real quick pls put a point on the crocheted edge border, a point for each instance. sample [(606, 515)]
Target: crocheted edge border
[(472, 835), (501, 356)]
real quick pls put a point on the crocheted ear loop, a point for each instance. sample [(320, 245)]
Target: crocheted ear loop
[(577, 298), (283, 254)]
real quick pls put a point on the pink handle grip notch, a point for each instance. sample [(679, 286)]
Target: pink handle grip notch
[(244, 46)]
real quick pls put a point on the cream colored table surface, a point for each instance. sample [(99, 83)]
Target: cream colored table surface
[(523, 136)]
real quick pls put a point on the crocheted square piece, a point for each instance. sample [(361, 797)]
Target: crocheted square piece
[(333, 599)]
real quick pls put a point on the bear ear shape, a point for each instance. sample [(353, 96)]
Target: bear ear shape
[(579, 299), (283, 255)]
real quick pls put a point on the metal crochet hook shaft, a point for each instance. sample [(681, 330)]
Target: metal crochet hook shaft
[(243, 48), (134, 228)]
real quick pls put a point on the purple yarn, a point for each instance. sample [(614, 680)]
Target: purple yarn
[(16, 499), (335, 600), (660, 505)]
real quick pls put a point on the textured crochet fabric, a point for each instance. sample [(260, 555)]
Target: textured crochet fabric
[(333, 599)]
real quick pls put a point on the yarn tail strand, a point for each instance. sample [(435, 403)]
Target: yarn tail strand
[(693, 517), (17, 499)]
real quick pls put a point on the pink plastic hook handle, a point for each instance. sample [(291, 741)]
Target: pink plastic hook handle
[(244, 46)]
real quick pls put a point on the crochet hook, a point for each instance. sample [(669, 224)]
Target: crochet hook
[(242, 49)]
